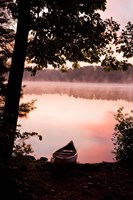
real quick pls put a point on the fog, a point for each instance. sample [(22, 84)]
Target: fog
[(82, 90)]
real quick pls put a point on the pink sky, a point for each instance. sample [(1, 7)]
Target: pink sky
[(120, 10)]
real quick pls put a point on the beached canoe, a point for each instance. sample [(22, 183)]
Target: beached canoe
[(65, 155)]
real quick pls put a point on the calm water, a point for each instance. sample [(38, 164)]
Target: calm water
[(81, 112)]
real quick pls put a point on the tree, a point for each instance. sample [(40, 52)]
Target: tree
[(15, 77), (59, 31), (6, 39)]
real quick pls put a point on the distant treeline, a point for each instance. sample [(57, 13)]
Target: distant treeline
[(83, 74)]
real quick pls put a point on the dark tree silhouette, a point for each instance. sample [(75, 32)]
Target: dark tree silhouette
[(15, 79), (6, 39)]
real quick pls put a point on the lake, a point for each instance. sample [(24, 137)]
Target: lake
[(82, 112)]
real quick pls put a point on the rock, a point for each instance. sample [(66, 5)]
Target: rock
[(44, 159)]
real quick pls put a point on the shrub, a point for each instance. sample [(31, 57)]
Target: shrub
[(123, 136)]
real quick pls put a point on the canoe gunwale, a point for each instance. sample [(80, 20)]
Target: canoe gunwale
[(65, 158)]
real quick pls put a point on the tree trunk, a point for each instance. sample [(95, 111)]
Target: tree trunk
[(15, 81)]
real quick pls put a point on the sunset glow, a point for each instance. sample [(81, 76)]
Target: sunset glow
[(61, 118)]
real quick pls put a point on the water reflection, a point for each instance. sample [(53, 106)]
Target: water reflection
[(89, 122)]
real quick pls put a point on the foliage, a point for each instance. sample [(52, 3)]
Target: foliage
[(25, 108), (123, 136), (126, 41), (122, 46), (6, 31), (68, 31), (71, 31), (6, 42), (75, 32), (6, 39), (20, 146)]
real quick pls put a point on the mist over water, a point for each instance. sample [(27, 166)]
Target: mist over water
[(82, 90), (82, 112)]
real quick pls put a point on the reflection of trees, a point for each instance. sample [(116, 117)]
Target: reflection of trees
[(86, 91)]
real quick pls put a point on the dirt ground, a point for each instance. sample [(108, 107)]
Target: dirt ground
[(41, 180)]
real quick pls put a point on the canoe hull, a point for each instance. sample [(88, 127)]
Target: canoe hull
[(57, 160), (65, 155)]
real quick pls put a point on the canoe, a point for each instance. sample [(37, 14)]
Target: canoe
[(65, 155)]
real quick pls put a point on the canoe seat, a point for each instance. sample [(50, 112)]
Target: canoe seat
[(64, 153), (67, 150)]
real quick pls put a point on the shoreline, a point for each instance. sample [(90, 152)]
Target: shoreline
[(40, 180)]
